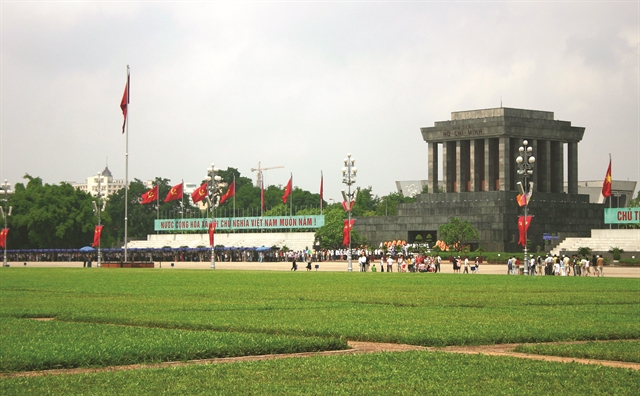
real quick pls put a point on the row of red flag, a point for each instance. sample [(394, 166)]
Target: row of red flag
[(201, 193)]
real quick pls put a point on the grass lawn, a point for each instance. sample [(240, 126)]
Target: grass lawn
[(382, 374), (624, 351), (432, 311), (119, 316), (27, 345)]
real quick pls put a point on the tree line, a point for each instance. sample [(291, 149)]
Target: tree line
[(59, 216)]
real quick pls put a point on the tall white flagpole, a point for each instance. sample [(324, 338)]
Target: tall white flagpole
[(126, 171)]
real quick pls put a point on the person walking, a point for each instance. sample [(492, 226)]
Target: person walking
[(600, 266)]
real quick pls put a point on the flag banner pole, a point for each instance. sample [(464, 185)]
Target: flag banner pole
[(234, 195), (321, 192), (158, 206), (126, 170)]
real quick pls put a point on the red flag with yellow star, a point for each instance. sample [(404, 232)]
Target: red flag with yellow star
[(3, 237), (523, 227), (346, 231), (606, 185)]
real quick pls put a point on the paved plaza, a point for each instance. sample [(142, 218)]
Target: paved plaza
[(447, 268)]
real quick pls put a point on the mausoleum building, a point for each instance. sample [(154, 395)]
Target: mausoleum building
[(476, 151)]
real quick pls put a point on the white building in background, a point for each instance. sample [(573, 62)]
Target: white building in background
[(108, 185)]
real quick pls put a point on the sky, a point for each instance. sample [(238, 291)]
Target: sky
[(301, 84)]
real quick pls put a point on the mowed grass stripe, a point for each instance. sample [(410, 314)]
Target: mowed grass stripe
[(624, 351), (376, 374), (422, 309), (28, 345)]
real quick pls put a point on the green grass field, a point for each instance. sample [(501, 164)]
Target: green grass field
[(114, 316)]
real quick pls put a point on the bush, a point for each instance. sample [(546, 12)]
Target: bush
[(630, 262)]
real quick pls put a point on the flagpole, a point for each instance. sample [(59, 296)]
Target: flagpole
[(182, 199), (126, 172), (158, 208), (321, 188), (234, 195), (291, 196), (611, 194), (261, 195)]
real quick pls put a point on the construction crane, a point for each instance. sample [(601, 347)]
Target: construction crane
[(259, 170)]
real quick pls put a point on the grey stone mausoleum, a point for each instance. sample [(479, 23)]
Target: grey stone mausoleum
[(477, 150)]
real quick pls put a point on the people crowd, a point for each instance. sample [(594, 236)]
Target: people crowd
[(554, 265)]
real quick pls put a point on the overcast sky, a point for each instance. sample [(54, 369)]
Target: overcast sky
[(301, 84)]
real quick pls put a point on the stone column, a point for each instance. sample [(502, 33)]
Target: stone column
[(504, 171), (448, 166), (572, 177), (462, 165), (557, 167), (543, 166), (433, 167), (476, 173), (490, 156)]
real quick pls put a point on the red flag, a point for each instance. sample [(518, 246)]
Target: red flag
[(200, 193), (212, 229), (606, 185), (3, 237), (150, 196), (523, 227), (346, 231), (124, 103), (96, 235), (321, 185), (175, 193), (347, 207), (287, 190), (262, 196), (230, 193)]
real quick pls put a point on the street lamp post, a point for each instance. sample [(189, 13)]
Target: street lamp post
[(5, 213), (525, 162), (212, 199), (349, 177)]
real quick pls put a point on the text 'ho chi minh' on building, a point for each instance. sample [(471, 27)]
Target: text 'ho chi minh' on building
[(477, 151)]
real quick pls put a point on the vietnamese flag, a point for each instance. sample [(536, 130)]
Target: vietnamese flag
[(150, 196), (96, 235), (346, 231), (287, 190), (212, 229), (200, 193), (523, 227), (124, 103), (175, 193), (606, 185), (231, 191), (3, 237)]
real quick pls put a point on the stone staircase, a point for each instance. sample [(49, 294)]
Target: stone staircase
[(602, 241)]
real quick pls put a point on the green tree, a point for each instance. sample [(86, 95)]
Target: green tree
[(388, 205), (50, 216), (457, 233), (330, 235)]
